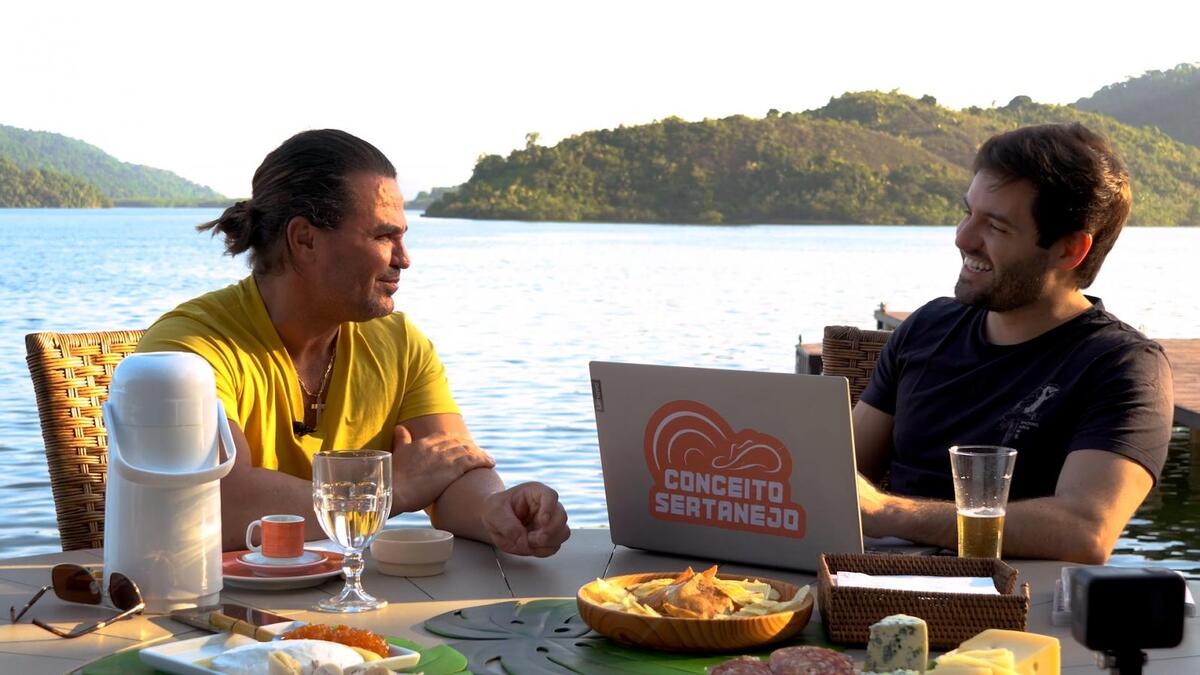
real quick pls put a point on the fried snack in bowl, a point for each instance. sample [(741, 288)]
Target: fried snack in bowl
[(663, 610)]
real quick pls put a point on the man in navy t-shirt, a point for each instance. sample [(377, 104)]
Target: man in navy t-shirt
[(1022, 358)]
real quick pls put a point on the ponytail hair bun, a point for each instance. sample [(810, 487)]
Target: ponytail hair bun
[(307, 176)]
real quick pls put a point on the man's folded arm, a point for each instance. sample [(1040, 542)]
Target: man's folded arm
[(250, 492), (1097, 493), (459, 503)]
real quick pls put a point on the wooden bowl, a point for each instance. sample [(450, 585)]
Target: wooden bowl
[(669, 633)]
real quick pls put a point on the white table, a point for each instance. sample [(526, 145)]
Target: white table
[(475, 575)]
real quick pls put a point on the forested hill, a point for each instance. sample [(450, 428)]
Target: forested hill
[(1164, 172), (117, 181), (35, 188), (1169, 100), (867, 157)]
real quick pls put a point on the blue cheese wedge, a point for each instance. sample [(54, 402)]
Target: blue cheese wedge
[(898, 642)]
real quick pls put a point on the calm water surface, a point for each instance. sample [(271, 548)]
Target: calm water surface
[(517, 310)]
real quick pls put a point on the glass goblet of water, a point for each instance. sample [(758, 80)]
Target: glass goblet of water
[(352, 495)]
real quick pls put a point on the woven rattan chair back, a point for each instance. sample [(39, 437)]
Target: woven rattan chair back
[(71, 375), (852, 352)]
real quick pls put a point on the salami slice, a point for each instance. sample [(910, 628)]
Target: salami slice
[(742, 665), (810, 661)]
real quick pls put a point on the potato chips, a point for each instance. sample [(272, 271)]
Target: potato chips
[(692, 595)]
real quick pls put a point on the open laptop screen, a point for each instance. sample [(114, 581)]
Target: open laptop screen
[(729, 465)]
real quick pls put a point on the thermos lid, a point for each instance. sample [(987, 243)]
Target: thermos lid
[(163, 389)]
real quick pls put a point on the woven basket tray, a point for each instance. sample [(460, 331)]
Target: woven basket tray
[(848, 612)]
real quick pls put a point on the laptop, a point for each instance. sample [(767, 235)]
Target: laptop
[(727, 465)]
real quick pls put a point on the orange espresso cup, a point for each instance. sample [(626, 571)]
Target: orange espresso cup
[(282, 536)]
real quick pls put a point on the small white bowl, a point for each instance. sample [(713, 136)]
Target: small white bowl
[(412, 551)]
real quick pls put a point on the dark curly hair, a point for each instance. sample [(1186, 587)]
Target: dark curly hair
[(1080, 183)]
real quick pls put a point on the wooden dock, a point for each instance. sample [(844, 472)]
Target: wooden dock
[(1184, 355), (886, 319)]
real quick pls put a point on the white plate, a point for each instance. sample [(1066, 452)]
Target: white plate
[(181, 657)]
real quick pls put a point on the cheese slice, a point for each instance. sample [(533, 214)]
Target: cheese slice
[(1034, 654)]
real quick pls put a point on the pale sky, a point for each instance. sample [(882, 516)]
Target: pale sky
[(206, 89)]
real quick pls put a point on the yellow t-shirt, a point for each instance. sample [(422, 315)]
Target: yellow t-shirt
[(385, 372)]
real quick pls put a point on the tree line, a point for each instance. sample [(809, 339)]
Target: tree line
[(35, 188)]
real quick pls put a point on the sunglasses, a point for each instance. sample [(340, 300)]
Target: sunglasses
[(75, 583)]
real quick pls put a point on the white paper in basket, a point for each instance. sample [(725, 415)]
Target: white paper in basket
[(926, 584)]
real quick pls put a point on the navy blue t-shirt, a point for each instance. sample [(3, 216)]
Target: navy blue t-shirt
[(1092, 383)]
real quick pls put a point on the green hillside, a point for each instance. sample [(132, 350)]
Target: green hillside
[(1169, 100), (1165, 174), (121, 182), (867, 157), (35, 188)]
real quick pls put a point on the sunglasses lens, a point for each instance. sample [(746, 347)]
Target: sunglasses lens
[(75, 584), (123, 592)]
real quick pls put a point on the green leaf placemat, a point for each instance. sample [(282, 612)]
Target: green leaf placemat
[(121, 662), (436, 660), (545, 637), (541, 619), (518, 637)]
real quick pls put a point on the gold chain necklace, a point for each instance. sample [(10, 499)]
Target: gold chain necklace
[(324, 381), (318, 404)]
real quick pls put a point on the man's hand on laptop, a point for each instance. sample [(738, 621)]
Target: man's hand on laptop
[(424, 467), (526, 519)]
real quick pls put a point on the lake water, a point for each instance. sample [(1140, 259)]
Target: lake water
[(517, 310)]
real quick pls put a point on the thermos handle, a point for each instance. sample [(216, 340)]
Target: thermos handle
[(168, 479)]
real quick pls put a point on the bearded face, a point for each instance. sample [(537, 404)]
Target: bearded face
[(1014, 285), (1003, 268)]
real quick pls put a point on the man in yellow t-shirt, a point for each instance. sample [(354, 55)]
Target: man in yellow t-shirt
[(257, 382), (310, 355)]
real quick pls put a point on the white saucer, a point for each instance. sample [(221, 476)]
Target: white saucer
[(258, 560)]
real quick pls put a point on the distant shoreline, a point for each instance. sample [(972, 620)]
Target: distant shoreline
[(201, 205), (687, 224), (111, 208), (421, 213)]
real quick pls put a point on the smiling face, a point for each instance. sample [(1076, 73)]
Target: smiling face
[(1003, 267), (359, 263)]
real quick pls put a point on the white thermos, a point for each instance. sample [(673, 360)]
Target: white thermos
[(162, 510)]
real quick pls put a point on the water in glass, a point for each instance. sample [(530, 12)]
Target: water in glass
[(352, 495)]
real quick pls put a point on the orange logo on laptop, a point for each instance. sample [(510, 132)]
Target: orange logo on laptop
[(706, 473)]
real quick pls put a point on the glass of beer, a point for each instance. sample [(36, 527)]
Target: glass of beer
[(982, 474), (352, 495)]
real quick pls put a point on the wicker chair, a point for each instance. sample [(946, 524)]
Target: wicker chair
[(71, 375), (852, 352)]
